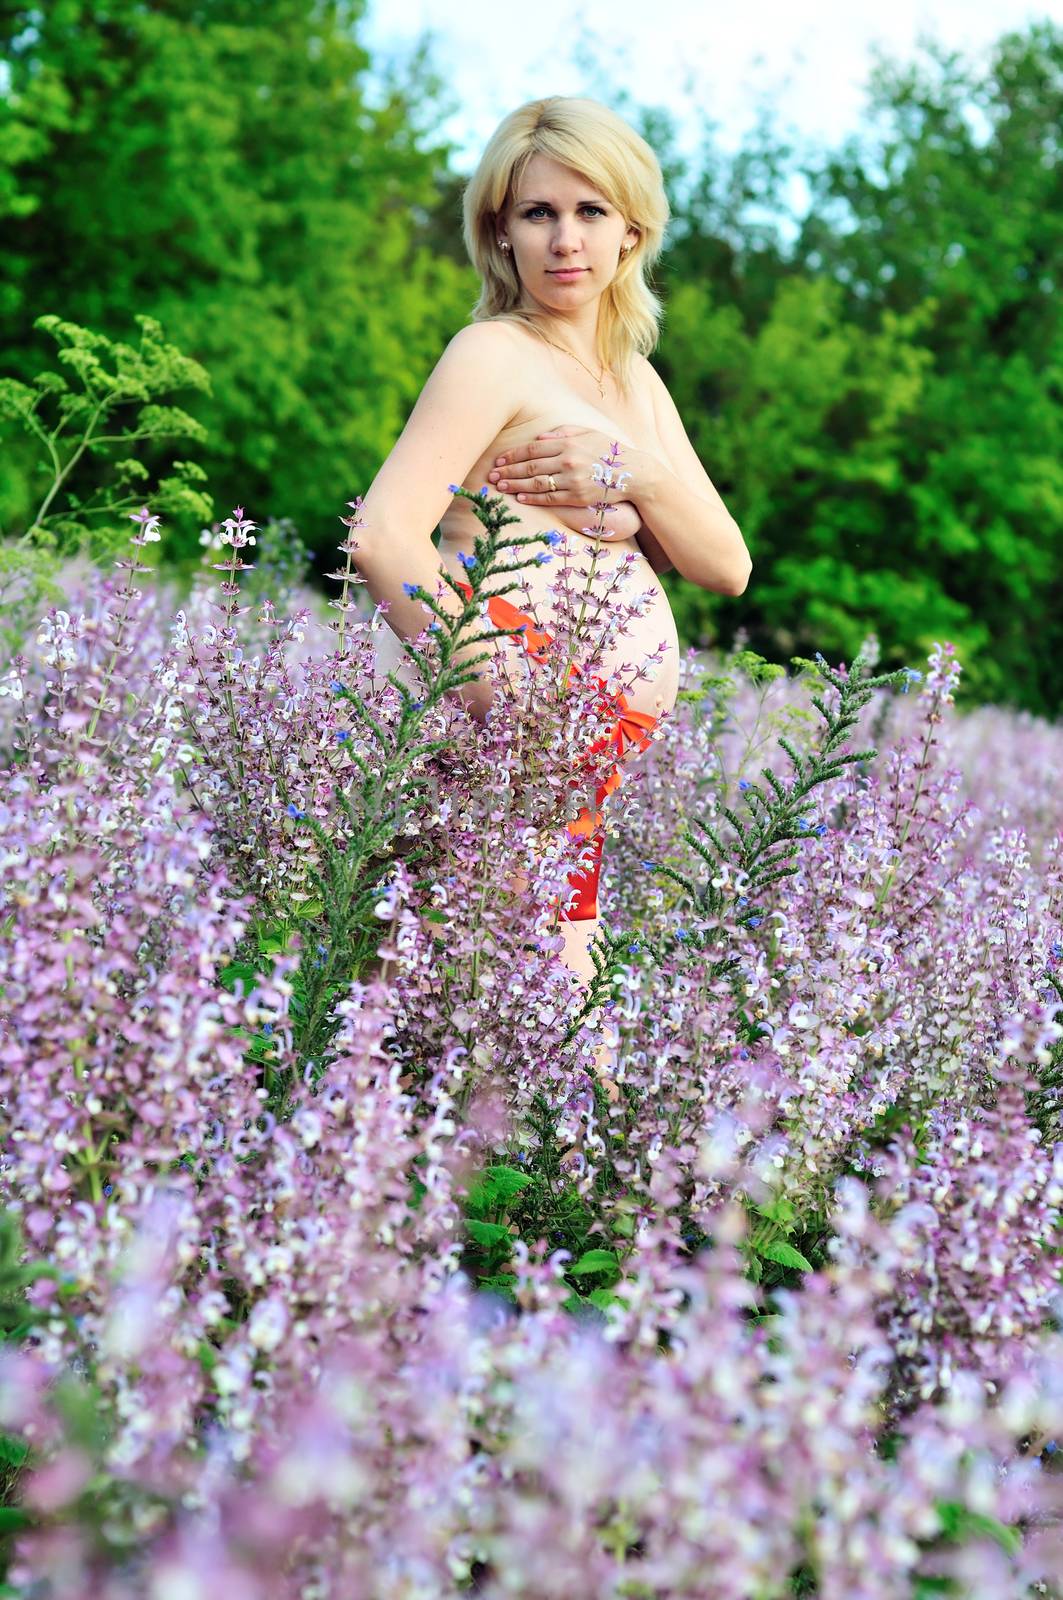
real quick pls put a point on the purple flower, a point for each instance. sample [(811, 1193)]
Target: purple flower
[(293, 810), (468, 562), (342, 734), (409, 588)]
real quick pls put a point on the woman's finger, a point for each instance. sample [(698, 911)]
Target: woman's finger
[(520, 471), (532, 451), (538, 488)]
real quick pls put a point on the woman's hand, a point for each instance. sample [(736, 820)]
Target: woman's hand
[(574, 457)]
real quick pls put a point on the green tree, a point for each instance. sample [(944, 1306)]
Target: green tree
[(940, 223), (879, 400), (217, 165), (953, 213)]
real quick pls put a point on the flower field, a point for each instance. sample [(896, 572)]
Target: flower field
[(330, 1271)]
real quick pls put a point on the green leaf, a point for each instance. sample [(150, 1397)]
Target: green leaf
[(238, 971), (488, 1233), (12, 1451), (785, 1254), (959, 1523), (495, 1188), (206, 1355), (780, 1210), (595, 1261), (13, 1519), (502, 1283)]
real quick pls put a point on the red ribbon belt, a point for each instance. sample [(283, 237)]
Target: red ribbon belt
[(630, 725)]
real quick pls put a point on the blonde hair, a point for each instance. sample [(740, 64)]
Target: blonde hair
[(597, 143)]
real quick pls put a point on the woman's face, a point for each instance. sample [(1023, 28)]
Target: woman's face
[(557, 221)]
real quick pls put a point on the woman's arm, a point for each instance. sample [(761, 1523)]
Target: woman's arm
[(679, 504), (465, 404)]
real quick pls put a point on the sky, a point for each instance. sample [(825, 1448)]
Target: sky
[(808, 61)]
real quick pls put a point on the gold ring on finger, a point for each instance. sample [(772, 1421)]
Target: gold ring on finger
[(550, 481)]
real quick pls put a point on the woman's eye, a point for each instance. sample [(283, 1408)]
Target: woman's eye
[(535, 210)]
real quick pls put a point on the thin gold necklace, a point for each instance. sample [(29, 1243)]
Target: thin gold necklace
[(583, 364)]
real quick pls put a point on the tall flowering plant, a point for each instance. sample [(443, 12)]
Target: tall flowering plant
[(320, 1279)]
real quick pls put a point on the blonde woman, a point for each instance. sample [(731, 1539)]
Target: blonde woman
[(563, 219)]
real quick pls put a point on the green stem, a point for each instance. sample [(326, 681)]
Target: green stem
[(599, 528), (62, 473)]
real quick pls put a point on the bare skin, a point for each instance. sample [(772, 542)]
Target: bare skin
[(554, 411), (550, 391)]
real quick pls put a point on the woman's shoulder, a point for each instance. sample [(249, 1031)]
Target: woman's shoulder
[(476, 352), (645, 372), (489, 333), (649, 383)]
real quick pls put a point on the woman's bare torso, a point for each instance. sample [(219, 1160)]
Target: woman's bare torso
[(546, 395)]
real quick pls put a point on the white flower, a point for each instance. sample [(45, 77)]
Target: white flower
[(268, 1324)]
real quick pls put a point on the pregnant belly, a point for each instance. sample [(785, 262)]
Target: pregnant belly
[(655, 691)]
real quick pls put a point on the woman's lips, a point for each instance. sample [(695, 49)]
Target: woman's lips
[(566, 273)]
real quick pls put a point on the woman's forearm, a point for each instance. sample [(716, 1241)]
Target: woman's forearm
[(700, 539)]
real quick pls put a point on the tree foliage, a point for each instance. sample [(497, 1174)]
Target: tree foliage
[(217, 165), (880, 403), (874, 385)]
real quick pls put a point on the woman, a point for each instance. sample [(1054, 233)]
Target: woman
[(563, 219)]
